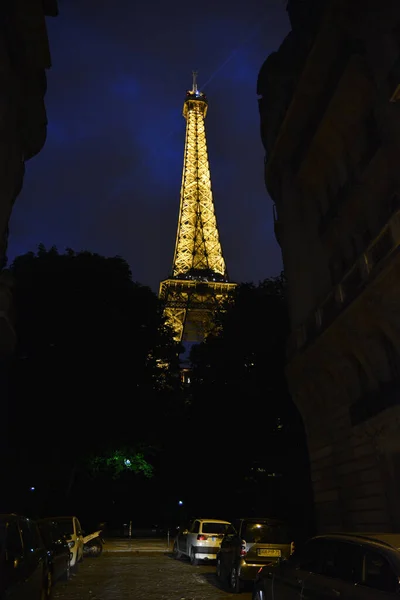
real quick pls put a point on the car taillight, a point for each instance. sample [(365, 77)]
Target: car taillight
[(292, 547), (243, 550), (201, 537)]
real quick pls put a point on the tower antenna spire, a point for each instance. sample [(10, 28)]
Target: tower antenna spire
[(194, 88)]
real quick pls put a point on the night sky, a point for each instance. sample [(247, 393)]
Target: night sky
[(109, 176)]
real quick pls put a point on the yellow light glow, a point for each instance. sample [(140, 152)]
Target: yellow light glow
[(190, 303), (197, 241)]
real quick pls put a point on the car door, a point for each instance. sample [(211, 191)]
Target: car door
[(290, 576), (58, 549), (79, 538), (33, 557), (339, 572), (379, 580), (182, 538), (14, 582), (230, 548), (225, 548), (191, 537)]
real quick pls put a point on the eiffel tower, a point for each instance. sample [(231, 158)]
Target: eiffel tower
[(199, 281)]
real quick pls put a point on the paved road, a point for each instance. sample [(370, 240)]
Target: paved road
[(142, 574)]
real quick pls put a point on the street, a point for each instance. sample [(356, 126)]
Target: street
[(121, 574)]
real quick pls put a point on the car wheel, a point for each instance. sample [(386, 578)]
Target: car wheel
[(193, 560), (176, 552), (234, 581)]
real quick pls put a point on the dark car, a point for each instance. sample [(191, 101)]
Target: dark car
[(348, 566), (24, 573), (58, 552), (247, 546)]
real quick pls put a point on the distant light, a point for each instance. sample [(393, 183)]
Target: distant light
[(32, 489), (180, 502), (127, 462)]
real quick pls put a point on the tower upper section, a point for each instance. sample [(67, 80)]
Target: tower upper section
[(198, 253)]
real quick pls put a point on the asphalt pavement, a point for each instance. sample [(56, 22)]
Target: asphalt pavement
[(142, 570)]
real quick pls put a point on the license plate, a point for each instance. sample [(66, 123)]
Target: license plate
[(268, 552), (213, 539)]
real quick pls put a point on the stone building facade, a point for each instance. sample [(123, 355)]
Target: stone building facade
[(329, 102), (24, 58)]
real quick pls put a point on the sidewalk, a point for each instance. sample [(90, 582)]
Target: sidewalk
[(138, 545)]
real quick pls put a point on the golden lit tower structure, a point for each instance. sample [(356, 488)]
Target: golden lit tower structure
[(199, 280)]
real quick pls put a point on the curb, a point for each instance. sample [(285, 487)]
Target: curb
[(137, 546)]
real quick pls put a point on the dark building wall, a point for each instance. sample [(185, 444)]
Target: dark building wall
[(24, 58), (330, 124)]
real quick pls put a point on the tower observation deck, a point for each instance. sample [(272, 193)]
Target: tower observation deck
[(199, 281)]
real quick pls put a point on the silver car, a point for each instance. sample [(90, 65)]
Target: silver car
[(201, 541)]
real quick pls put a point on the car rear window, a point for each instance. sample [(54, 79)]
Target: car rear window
[(266, 533), (214, 527)]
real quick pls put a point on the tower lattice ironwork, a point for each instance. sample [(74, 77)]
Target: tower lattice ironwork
[(199, 281)]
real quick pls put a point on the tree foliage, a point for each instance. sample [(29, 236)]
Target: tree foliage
[(120, 461), (86, 373), (248, 349), (240, 399)]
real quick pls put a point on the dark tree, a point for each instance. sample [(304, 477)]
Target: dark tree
[(88, 375), (240, 401)]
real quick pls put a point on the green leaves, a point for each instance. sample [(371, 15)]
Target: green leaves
[(120, 461)]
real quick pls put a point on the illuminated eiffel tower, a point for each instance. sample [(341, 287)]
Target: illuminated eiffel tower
[(199, 281)]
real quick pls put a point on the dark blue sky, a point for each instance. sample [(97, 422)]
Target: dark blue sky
[(108, 178)]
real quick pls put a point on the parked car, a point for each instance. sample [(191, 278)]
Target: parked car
[(58, 552), (348, 566), (24, 573), (72, 530), (248, 544), (201, 540)]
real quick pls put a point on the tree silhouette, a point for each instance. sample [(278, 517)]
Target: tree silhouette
[(86, 376), (239, 395)]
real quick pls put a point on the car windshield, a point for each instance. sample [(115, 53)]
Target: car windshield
[(214, 527), (66, 526), (266, 533)]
